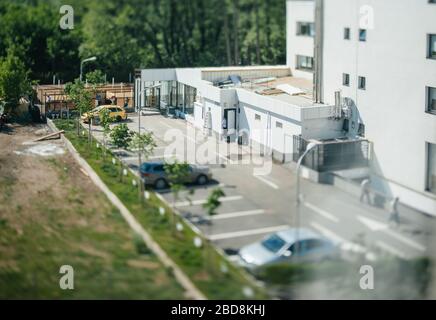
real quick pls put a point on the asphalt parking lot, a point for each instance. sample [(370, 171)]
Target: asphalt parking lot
[(258, 204)]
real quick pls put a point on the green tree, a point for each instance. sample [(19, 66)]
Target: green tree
[(95, 77), (81, 98), (105, 121), (213, 201), (131, 34), (14, 82), (143, 144), (178, 174), (121, 136)]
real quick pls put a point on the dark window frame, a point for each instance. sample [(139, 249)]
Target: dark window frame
[(361, 83), (363, 33), (428, 183), (305, 29), (431, 52), (428, 108), (346, 79), (347, 33), (307, 59)]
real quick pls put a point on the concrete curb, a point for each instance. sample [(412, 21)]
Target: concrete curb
[(191, 290)]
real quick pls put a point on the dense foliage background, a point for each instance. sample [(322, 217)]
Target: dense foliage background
[(128, 34)]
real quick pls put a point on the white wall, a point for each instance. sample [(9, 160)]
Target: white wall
[(393, 60), (251, 72), (298, 11)]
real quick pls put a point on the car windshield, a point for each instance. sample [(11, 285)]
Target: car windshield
[(273, 243)]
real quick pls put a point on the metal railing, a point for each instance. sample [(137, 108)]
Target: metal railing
[(333, 155)]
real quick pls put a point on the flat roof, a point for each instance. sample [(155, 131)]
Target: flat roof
[(243, 68), (268, 89)]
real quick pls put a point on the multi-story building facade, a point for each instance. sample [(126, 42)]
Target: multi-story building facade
[(300, 30), (381, 56), (356, 70)]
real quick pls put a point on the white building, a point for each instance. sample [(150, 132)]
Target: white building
[(377, 56), (253, 107), (300, 31), (382, 56)]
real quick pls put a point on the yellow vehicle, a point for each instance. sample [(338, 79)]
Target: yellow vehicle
[(115, 112)]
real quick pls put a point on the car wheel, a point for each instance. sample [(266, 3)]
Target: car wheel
[(119, 119), (202, 180), (160, 184)]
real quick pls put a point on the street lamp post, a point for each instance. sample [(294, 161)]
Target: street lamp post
[(82, 63), (309, 148)]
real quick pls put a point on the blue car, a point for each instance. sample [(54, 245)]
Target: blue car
[(288, 246)]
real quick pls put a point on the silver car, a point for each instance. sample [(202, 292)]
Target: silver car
[(288, 246), (154, 174)]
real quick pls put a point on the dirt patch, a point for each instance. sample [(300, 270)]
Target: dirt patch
[(142, 264), (88, 249), (43, 150), (41, 175)]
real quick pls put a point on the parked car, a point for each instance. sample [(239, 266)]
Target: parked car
[(288, 246), (154, 174), (115, 112)]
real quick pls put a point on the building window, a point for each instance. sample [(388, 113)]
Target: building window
[(257, 117), (306, 29), (431, 167), (361, 130), (362, 83), (362, 35), (431, 100), (346, 79), (279, 124), (431, 46), (304, 63), (347, 34)]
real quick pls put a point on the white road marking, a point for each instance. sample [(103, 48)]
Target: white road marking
[(266, 181), (132, 158), (244, 233), (321, 212), (390, 249), (233, 258), (156, 157), (200, 202), (372, 224), (379, 226), (328, 233), (237, 214), (405, 240), (344, 244)]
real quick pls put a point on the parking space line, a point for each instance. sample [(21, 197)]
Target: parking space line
[(200, 202), (405, 240), (328, 233), (237, 214), (375, 225), (266, 181), (244, 233), (344, 244), (384, 246), (321, 212), (131, 158)]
